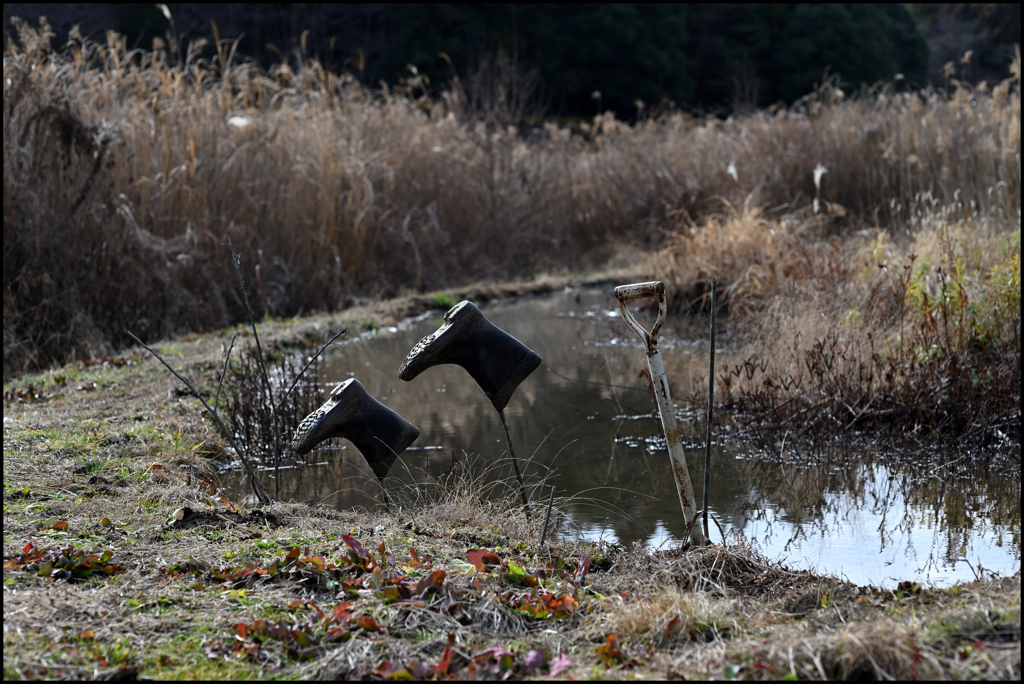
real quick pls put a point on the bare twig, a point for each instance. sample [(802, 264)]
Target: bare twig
[(306, 367), (227, 356), (236, 260), (257, 486), (696, 516)]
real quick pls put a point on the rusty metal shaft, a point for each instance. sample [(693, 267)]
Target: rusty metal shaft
[(673, 441), (515, 464)]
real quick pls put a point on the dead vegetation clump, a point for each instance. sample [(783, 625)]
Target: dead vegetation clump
[(843, 332)]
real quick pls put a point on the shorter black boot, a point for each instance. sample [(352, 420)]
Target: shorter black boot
[(379, 433), (496, 360)]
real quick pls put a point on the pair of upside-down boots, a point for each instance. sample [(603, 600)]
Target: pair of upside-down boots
[(496, 360)]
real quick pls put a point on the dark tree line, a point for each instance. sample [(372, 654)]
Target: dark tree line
[(577, 59)]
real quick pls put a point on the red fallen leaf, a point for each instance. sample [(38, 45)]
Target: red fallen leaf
[(354, 545), (768, 667), (433, 582), (670, 627), (59, 525), (611, 651), (293, 554), (385, 555), (87, 634), (155, 466), (446, 658), (392, 594), (254, 535), (28, 547), (240, 631), (335, 633), (477, 585), (387, 669), (559, 665), (342, 612), (296, 604), (566, 604), (418, 560), (581, 571), (482, 559), (368, 623)]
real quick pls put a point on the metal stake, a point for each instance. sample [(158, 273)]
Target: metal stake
[(624, 293), (515, 463), (547, 517), (711, 403)]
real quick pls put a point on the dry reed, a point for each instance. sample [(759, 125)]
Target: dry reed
[(124, 174)]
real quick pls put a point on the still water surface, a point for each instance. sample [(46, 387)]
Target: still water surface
[(870, 514)]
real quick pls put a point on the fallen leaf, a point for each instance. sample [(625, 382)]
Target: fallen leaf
[(482, 559), (514, 573), (446, 657), (560, 664), (611, 651), (535, 658)]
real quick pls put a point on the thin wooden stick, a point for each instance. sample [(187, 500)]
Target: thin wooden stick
[(711, 404), (257, 486)]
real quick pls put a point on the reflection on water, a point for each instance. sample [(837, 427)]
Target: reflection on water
[(588, 415)]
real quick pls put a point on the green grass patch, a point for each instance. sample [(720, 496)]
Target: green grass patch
[(442, 300)]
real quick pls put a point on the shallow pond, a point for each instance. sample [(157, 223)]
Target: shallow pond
[(872, 515)]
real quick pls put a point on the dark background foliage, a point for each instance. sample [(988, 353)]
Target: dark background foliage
[(718, 58)]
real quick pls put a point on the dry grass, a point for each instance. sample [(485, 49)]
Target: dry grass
[(125, 174), (841, 332), (914, 321)]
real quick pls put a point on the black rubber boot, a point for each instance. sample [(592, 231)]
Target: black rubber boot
[(379, 433), (496, 360)]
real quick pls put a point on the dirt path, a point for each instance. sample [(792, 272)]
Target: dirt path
[(119, 561)]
